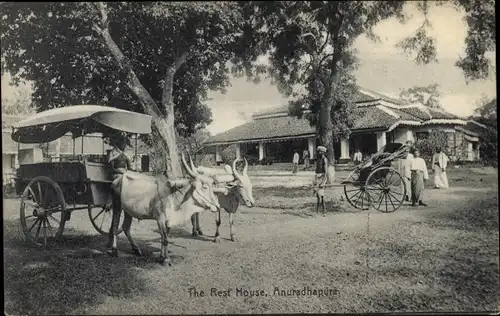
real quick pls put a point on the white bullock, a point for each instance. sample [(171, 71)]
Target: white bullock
[(169, 202), (239, 191)]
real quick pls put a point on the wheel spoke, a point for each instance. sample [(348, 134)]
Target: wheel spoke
[(50, 227), (393, 206), (33, 225), (33, 195), (352, 197), (399, 193), (103, 210), (380, 198), (45, 195), (102, 221), (39, 192), (390, 178), (356, 202), (395, 198), (55, 219), (38, 230)]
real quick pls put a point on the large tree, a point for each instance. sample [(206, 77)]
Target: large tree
[(310, 45), (159, 58)]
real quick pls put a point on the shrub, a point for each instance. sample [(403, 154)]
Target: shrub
[(428, 145)]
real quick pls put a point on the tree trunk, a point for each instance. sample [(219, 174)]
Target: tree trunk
[(326, 135), (164, 125), (169, 130)]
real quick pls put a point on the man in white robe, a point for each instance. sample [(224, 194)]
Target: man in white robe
[(407, 169), (439, 164)]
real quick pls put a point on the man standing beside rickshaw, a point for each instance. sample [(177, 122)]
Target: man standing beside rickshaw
[(320, 178)]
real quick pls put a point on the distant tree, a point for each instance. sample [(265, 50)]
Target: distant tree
[(18, 104), (159, 58), (427, 95), (486, 114)]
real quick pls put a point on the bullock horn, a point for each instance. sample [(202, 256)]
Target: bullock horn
[(192, 164), (235, 172), (191, 173), (245, 168)]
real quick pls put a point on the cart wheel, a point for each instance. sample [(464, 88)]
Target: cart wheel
[(354, 190), (101, 219), (386, 188), (42, 211)]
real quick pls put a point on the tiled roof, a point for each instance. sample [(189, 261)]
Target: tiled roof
[(372, 117), (358, 97), (284, 126), (365, 95), (368, 116), (475, 128), (436, 114), (415, 112), (272, 127)]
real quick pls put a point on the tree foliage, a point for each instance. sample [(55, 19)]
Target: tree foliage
[(160, 58), (429, 144), (486, 114), (427, 95), (18, 104)]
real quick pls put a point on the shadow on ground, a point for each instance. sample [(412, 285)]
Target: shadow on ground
[(62, 280)]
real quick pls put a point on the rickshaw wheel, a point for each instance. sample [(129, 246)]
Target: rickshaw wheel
[(42, 211), (386, 189), (101, 219), (354, 190)]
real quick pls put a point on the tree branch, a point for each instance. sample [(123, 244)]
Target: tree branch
[(181, 60), (133, 82)]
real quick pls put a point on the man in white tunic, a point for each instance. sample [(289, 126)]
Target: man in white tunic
[(439, 164), (418, 176), (407, 170)]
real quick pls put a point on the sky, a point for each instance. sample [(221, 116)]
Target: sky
[(382, 68)]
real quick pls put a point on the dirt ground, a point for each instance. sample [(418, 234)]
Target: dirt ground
[(443, 257)]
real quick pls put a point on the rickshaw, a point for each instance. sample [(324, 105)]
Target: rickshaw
[(377, 182), (52, 190)]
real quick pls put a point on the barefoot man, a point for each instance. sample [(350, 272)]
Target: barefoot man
[(320, 178)]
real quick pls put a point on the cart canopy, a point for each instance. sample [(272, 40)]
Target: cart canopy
[(80, 120)]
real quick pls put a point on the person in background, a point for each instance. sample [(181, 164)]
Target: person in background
[(407, 170), (439, 164), (358, 157), (320, 178), (305, 156), (418, 176), (295, 162)]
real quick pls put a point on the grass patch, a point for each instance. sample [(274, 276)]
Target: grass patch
[(295, 198), (66, 279)]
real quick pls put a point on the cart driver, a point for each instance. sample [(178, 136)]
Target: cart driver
[(320, 178), (117, 159)]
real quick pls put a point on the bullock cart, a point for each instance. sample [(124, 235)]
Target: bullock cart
[(52, 190), (377, 182)]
